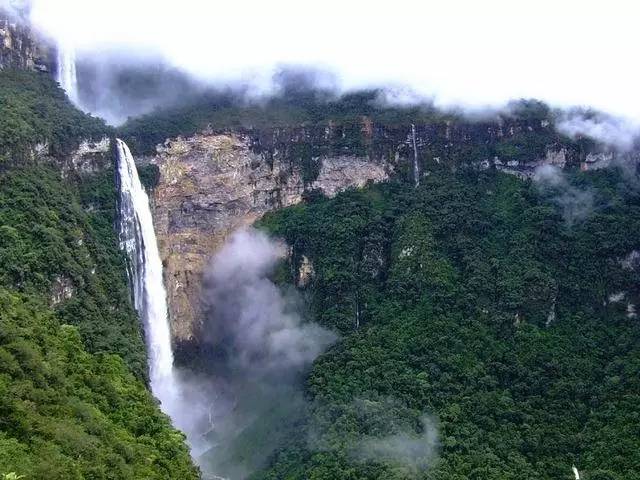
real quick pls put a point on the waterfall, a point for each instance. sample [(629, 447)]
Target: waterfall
[(67, 77), (182, 400), (416, 167), (575, 472), (138, 240)]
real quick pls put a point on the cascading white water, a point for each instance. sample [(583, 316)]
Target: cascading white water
[(138, 240), (179, 399), (416, 166), (67, 75)]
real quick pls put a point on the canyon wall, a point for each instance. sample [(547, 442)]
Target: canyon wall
[(214, 183)]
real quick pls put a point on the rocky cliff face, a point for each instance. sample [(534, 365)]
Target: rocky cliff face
[(20, 47), (91, 156), (212, 184)]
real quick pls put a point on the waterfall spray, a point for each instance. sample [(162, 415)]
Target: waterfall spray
[(138, 240), (67, 76)]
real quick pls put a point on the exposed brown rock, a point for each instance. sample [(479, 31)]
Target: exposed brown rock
[(212, 184)]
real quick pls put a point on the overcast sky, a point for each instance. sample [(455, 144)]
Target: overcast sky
[(469, 52)]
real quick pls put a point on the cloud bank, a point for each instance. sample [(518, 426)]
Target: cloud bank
[(461, 52), (615, 132)]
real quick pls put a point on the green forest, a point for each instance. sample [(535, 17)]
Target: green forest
[(73, 397), (487, 324), (34, 109), (352, 117), (472, 303)]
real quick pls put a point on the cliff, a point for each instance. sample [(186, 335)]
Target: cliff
[(214, 183), (224, 163), (20, 47)]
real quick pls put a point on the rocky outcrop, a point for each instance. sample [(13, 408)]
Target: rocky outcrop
[(62, 289), (91, 156), (306, 272), (527, 169), (214, 183), (20, 47)]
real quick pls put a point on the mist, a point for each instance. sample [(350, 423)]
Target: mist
[(116, 87), (377, 429), (411, 451), (458, 53), (575, 204), (245, 402), (615, 132)]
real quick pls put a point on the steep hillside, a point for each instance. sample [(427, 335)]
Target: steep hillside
[(73, 400), (479, 301), (38, 120), (222, 162)]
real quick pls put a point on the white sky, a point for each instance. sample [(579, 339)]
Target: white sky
[(466, 52)]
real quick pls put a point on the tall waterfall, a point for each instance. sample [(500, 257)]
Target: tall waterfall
[(67, 76), (416, 165), (138, 240)]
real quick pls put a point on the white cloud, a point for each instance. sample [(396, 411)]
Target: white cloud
[(608, 130), (575, 204), (460, 51)]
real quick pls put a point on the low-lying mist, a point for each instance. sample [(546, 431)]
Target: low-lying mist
[(247, 400), (117, 88), (380, 430), (575, 204), (405, 449)]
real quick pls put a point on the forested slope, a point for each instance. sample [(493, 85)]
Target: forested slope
[(73, 400), (479, 301), (34, 110)]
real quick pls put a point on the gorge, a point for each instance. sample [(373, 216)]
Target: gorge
[(309, 285)]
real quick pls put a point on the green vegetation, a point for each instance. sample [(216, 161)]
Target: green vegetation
[(70, 407), (67, 414), (73, 399), (149, 176), (471, 301), (291, 110), (48, 243), (35, 110)]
